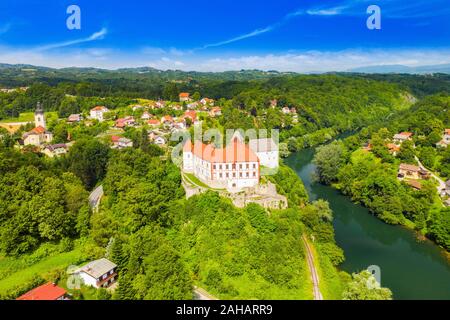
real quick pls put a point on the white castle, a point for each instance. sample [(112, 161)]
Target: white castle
[(235, 167)]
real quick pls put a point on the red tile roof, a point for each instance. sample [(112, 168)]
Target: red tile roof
[(48, 291), (184, 95), (38, 130), (99, 108), (234, 152), (154, 122), (190, 114)]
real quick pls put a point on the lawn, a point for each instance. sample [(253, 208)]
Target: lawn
[(29, 117), (22, 276)]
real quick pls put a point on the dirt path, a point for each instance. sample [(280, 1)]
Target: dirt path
[(203, 295), (312, 270)]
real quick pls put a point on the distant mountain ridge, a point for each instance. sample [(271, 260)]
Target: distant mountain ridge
[(441, 68)]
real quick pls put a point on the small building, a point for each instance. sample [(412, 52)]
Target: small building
[(160, 141), (442, 144), (75, 118), (193, 106), (273, 103), (446, 138), (146, 116), (402, 137), (184, 97), (98, 113), (154, 123), (207, 102), (125, 122), (167, 120), (408, 171), (267, 152), (393, 149), (137, 107), (48, 292), (98, 274), (121, 143), (215, 112), (55, 150)]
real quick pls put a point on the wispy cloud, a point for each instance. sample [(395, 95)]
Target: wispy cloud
[(95, 36), (326, 12), (256, 32)]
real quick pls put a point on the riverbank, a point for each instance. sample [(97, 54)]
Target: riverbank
[(411, 269)]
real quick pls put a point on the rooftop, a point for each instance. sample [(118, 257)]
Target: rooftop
[(49, 291), (98, 268)]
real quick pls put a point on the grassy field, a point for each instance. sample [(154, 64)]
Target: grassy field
[(59, 261), (29, 117)]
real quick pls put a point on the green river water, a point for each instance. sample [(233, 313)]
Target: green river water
[(411, 269)]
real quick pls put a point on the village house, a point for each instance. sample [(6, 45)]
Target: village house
[(159, 104), (137, 107), (125, 122), (267, 152), (159, 141), (121, 143), (393, 149), (74, 118), (98, 274), (402, 137), (55, 150), (146, 116), (192, 106), (207, 102), (167, 121), (185, 97), (177, 107), (47, 292), (215, 112), (180, 124), (445, 140), (408, 171), (154, 123), (98, 113), (234, 167)]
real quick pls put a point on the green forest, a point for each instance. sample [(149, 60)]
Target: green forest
[(166, 245)]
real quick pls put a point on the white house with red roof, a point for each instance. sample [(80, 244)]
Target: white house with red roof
[(234, 167), (98, 113), (215, 112), (184, 97), (48, 292), (402, 137)]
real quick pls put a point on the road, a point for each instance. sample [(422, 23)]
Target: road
[(312, 270), (442, 186), (202, 295), (95, 197)]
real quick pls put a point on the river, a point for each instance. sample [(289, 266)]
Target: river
[(411, 269)]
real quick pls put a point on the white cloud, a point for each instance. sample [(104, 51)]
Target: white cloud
[(305, 61), (95, 36)]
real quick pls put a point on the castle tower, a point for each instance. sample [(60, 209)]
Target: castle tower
[(39, 119)]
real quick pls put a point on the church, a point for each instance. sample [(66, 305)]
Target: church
[(39, 135)]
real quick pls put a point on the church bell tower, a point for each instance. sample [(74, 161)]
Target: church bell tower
[(39, 119)]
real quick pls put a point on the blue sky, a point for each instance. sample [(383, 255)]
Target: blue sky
[(218, 35)]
